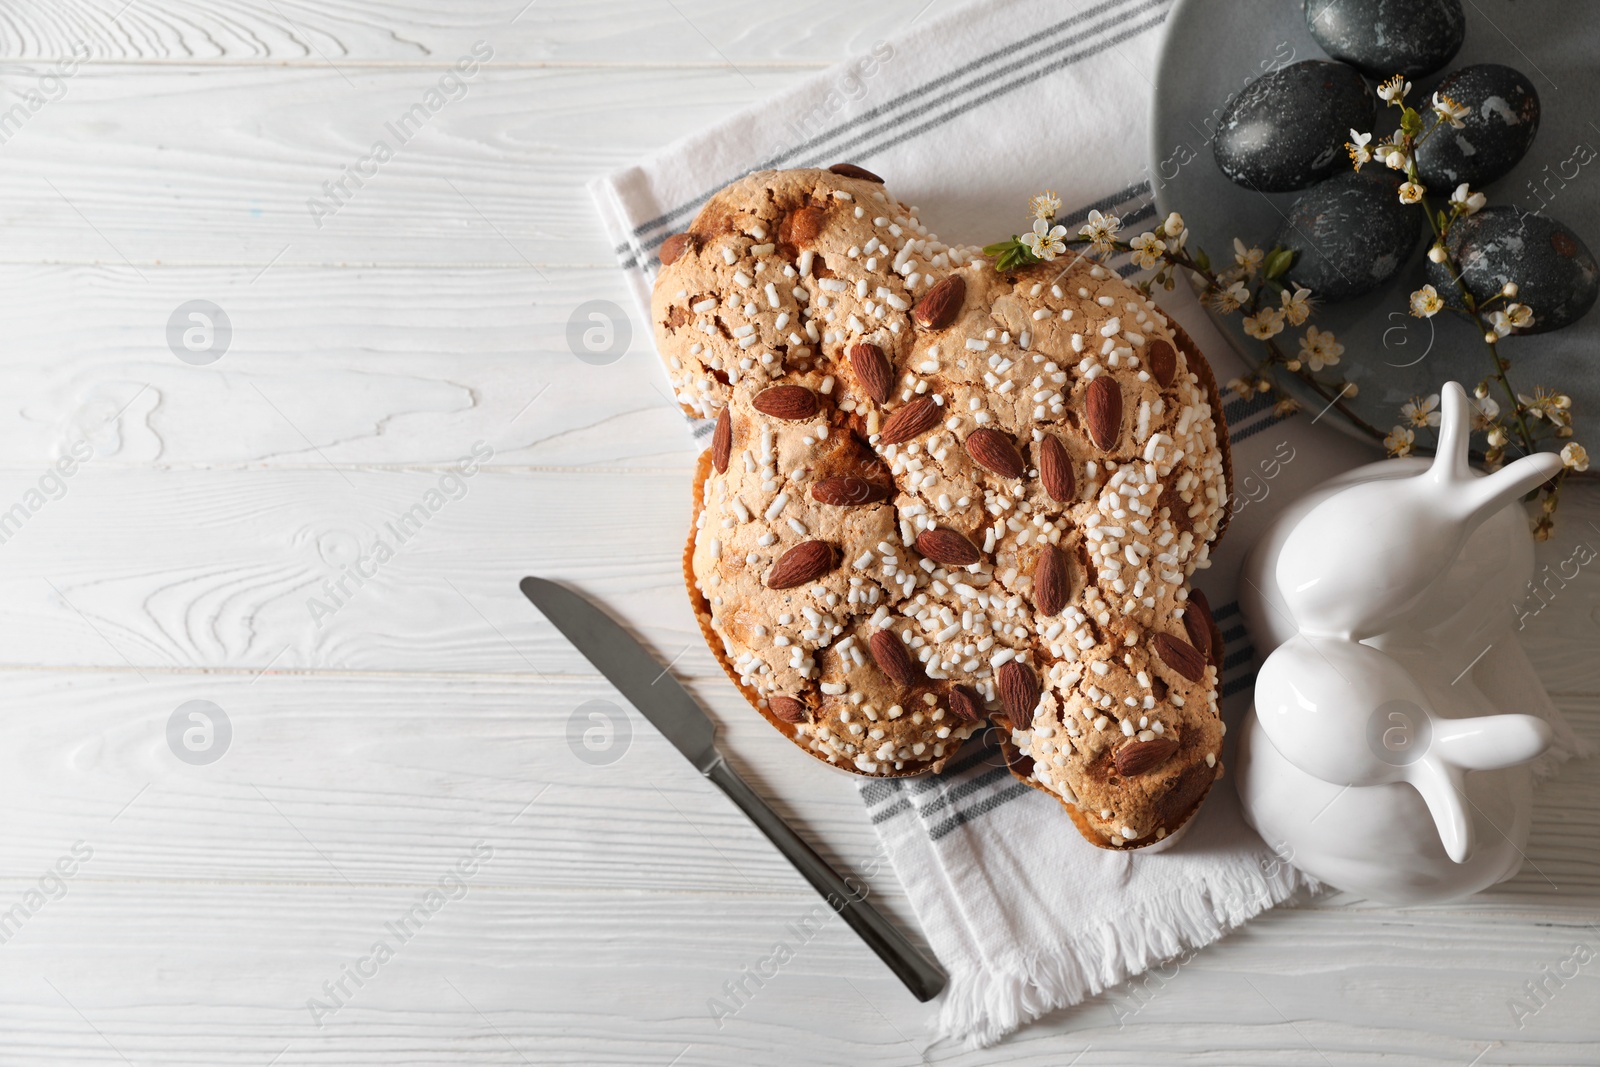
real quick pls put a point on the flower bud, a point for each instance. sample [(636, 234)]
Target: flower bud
[(1509, 289), (1437, 253)]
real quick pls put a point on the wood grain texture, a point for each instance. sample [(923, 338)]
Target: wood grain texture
[(241, 172), (394, 367), (434, 709), (416, 34)]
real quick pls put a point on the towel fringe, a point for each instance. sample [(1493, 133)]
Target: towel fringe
[(984, 1006)]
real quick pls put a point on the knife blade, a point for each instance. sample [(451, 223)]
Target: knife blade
[(658, 696), (630, 667)]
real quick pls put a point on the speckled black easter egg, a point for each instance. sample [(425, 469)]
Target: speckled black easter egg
[(1388, 37), (1286, 130), (1556, 275), (1502, 117), (1351, 233)]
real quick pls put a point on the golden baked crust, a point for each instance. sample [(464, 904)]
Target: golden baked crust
[(830, 562)]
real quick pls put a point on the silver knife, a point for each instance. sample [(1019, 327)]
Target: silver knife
[(659, 698)]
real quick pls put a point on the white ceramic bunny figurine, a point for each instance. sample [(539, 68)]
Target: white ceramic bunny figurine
[(1383, 603)]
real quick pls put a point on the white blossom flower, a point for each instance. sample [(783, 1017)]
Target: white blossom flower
[(1044, 241), (1501, 323), (1147, 249), (1519, 315), (1173, 226), (1232, 298), (1498, 437), (1421, 411), (1264, 324), (1411, 192), (1243, 386), (1466, 201), (1399, 441), (1449, 110), (1425, 302), (1394, 156), (1545, 404), (1484, 412), (1574, 456), (1045, 205), (1101, 230), (1319, 348), (1394, 89), (1296, 306), (1357, 147), (1247, 258)]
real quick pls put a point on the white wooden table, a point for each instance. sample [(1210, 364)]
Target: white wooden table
[(418, 727)]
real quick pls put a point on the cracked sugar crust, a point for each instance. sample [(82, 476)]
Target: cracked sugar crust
[(781, 274)]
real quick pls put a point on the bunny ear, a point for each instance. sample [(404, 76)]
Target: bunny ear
[(1489, 742), (1471, 498), (1450, 460), (1482, 497), (1442, 787)]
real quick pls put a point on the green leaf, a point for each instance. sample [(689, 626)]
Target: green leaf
[(1278, 261), (1202, 260), (1008, 255), (1411, 121)]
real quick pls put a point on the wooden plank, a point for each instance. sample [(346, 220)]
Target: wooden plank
[(224, 974), (403, 366), (257, 168), (362, 32), (356, 782), (192, 570)]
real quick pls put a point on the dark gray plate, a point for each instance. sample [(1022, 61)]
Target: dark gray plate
[(1213, 49)]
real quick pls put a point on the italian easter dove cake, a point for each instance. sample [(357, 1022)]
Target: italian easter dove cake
[(939, 497)]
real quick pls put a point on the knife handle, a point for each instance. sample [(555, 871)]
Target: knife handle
[(921, 974)]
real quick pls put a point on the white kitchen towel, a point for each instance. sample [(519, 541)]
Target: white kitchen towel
[(968, 116)]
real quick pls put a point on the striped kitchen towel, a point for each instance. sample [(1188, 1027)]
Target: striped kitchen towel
[(967, 117)]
